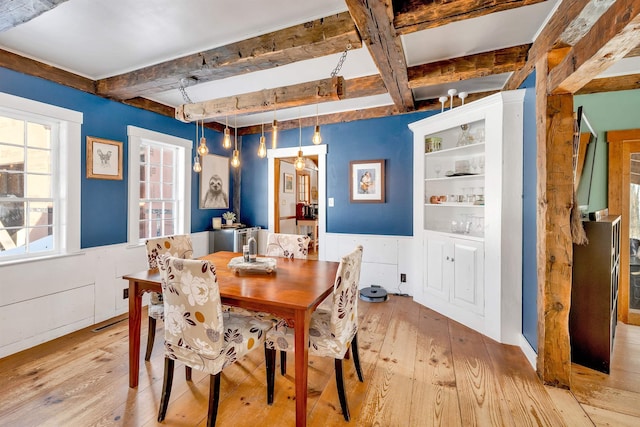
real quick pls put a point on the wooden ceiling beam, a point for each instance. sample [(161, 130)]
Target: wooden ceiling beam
[(331, 89), (611, 84), (468, 67), (567, 12), (16, 12), (374, 21), (417, 15), (310, 40), (361, 114), (610, 39)]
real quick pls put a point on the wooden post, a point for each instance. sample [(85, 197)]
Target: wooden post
[(555, 248)]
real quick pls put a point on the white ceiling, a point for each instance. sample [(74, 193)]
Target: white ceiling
[(102, 38)]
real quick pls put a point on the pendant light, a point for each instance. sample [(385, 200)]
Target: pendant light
[(197, 168), (203, 150), (316, 139), (299, 163), (226, 141), (262, 148), (274, 135), (235, 160)]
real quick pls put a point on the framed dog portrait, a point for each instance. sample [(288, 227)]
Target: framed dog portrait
[(214, 182), (104, 158), (366, 181)]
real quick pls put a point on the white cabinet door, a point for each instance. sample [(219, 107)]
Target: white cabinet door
[(467, 288), (438, 269)]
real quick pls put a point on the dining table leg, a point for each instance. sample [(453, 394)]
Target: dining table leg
[(301, 328), (135, 315)]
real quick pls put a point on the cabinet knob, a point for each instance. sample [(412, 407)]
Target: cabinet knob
[(452, 260)]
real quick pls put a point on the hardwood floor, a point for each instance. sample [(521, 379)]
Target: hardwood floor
[(420, 369)]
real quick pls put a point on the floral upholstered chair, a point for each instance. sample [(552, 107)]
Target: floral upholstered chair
[(330, 332), (288, 245), (177, 246), (196, 330)]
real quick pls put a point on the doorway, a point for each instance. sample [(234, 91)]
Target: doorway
[(624, 195), (276, 175)]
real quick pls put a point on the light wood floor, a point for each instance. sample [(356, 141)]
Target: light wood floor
[(420, 368)]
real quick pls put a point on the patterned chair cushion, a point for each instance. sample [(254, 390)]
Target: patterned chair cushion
[(287, 245), (197, 332), (177, 246), (330, 332)]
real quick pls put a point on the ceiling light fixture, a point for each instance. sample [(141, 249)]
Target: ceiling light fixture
[(226, 140), (262, 148), (197, 168), (235, 160), (203, 150), (316, 139), (299, 163), (274, 135)]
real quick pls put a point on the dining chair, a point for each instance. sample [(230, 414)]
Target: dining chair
[(288, 245), (178, 246), (196, 330), (331, 333)]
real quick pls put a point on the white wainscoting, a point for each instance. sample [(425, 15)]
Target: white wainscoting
[(384, 258), (44, 299)]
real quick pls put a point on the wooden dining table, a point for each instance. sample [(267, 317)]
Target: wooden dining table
[(292, 291)]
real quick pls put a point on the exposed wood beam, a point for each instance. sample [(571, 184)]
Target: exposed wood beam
[(417, 15), (610, 39), (374, 21), (331, 89), (468, 67), (554, 249), (16, 12), (313, 39), (34, 68), (611, 84), (568, 11), (362, 114), (633, 52)]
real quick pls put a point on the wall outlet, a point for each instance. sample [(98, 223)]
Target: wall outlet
[(125, 293), (403, 278)]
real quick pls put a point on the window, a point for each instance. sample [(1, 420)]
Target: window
[(303, 188), (39, 186), (159, 185)]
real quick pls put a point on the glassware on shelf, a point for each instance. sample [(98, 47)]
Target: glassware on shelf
[(478, 134), (473, 163), (437, 167), (481, 163)]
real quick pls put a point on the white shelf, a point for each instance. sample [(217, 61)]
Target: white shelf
[(470, 149), (470, 236), (450, 178), (453, 205)]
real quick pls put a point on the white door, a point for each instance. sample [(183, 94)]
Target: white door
[(437, 266), (467, 288)]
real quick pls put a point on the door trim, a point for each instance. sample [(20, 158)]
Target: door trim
[(313, 150), (621, 144)]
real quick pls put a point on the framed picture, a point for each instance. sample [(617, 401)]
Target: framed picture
[(288, 183), (214, 182), (366, 181), (104, 158)]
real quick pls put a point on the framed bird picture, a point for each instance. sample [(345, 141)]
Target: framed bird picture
[(104, 158)]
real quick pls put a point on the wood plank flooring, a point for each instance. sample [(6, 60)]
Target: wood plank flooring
[(420, 369)]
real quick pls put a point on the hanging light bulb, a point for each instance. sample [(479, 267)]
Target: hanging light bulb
[(226, 141), (203, 150), (316, 139), (235, 160), (196, 165), (196, 160), (274, 134), (299, 163), (262, 148)]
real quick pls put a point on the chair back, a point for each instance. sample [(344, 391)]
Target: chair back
[(178, 246), (193, 322), (288, 245), (344, 312)]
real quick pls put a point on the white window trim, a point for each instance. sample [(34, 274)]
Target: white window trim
[(136, 136), (68, 179)]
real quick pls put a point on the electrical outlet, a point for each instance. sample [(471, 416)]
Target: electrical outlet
[(403, 277), (125, 293)]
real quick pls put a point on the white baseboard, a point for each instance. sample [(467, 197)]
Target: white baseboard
[(529, 352)]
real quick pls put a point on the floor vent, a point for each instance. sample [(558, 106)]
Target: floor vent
[(108, 325)]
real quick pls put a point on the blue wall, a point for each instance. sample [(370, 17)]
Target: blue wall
[(386, 138), (104, 202), (529, 213)]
